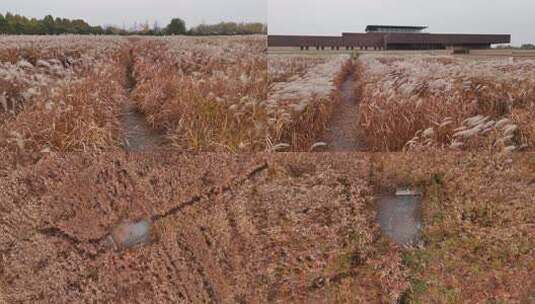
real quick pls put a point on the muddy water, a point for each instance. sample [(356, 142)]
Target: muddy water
[(139, 136), (341, 134), (400, 217)]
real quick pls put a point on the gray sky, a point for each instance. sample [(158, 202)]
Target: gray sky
[(331, 17), (117, 12)]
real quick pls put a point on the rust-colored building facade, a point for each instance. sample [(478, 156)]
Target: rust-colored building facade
[(385, 37)]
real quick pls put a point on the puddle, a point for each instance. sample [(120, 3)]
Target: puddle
[(400, 216), (131, 235)]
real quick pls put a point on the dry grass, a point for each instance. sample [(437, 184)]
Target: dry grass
[(302, 106), (447, 103), (79, 115), (224, 94), (478, 225), (215, 94), (302, 230), (30, 65), (66, 100), (291, 67), (205, 93)]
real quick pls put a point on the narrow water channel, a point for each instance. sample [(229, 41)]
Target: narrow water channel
[(139, 136), (341, 134)]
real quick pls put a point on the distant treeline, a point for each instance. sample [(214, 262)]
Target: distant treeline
[(13, 24), (178, 27), (19, 25), (229, 28)]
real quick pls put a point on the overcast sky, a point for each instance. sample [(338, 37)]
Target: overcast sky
[(331, 17), (119, 12)]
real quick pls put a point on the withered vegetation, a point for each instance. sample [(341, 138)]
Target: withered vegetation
[(444, 103), (478, 225), (260, 229), (266, 228)]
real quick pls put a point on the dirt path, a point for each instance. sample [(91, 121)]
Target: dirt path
[(341, 134), (139, 136)]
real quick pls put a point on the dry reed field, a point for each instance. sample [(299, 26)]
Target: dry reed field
[(290, 67), (265, 228), (479, 225), (173, 224), (447, 103), (411, 102), (303, 93), (206, 93), (59, 93), (67, 93), (226, 229), (226, 94), (215, 94)]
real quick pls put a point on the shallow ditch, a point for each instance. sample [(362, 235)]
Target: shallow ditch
[(400, 217), (139, 136), (341, 134)]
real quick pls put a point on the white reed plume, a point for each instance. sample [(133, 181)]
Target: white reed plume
[(317, 146), (280, 147)]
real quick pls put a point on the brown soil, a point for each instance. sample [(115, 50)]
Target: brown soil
[(342, 134), (227, 229)]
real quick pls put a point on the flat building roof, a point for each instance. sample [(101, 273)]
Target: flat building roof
[(401, 28)]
